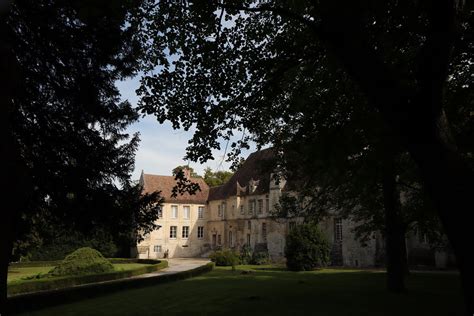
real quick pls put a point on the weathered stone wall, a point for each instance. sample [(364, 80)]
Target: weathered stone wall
[(237, 225)]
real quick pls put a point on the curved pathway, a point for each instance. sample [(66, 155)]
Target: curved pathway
[(176, 265)]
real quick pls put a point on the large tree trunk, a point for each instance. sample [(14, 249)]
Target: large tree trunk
[(450, 183), (415, 115), (13, 184), (394, 228)]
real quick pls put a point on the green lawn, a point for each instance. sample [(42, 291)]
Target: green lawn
[(271, 291), (17, 274)]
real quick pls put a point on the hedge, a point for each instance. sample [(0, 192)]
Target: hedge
[(46, 284), (32, 301), (25, 264)]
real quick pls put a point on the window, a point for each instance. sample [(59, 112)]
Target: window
[(251, 206), (186, 212), (267, 204), (242, 210), (200, 232), (248, 240), (219, 239), (292, 225), (338, 229), (260, 206), (231, 239), (264, 231), (233, 209), (185, 232), (214, 242), (249, 225), (223, 208), (219, 210), (157, 248), (422, 238), (173, 230), (201, 212), (174, 211), (160, 212)]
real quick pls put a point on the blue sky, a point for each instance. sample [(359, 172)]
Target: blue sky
[(162, 148)]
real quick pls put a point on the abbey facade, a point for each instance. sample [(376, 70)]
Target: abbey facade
[(239, 213)]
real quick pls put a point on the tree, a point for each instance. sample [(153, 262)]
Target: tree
[(192, 173), (63, 140), (216, 178), (252, 67), (306, 248), (44, 235)]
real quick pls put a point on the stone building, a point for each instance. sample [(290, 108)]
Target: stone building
[(182, 220), (239, 213)]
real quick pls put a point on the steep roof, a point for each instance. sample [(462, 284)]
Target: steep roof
[(254, 171), (165, 184)]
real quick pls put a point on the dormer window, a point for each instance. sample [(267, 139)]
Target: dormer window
[(252, 185)]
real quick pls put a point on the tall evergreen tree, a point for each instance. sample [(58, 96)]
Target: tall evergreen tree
[(64, 143)]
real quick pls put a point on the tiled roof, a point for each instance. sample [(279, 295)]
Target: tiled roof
[(165, 184), (255, 170)]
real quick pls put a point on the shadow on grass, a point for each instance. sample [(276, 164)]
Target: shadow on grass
[(271, 269), (275, 291)]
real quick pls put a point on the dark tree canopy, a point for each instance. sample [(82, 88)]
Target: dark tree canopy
[(64, 140), (69, 120), (271, 79), (273, 72)]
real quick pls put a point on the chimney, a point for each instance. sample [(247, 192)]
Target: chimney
[(187, 172)]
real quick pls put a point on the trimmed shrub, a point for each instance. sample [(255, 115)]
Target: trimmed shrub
[(224, 257), (83, 261), (306, 248), (260, 257), (245, 255)]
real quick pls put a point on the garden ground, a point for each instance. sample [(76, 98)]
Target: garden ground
[(270, 290), (18, 274)]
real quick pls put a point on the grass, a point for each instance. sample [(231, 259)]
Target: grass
[(270, 290), (19, 274)]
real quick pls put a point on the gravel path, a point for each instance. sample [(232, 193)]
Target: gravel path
[(176, 265)]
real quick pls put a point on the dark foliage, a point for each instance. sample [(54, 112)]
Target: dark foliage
[(306, 248), (321, 81), (247, 256), (65, 244), (63, 122), (225, 257)]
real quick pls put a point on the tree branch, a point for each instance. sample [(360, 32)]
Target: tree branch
[(409, 186), (269, 8)]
